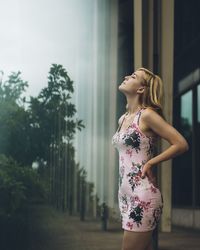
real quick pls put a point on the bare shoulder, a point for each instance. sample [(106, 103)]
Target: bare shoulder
[(145, 125), (149, 112), (151, 117)]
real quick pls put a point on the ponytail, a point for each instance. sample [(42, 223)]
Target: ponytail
[(153, 94)]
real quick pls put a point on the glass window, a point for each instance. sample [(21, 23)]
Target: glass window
[(198, 104), (182, 165), (197, 136)]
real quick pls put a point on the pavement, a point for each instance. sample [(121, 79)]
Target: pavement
[(54, 230)]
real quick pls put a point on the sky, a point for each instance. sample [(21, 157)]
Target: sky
[(37, 33)]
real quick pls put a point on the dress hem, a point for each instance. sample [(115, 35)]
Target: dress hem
[(138, 231)]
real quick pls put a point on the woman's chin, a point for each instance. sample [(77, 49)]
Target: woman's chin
[(121, 87)]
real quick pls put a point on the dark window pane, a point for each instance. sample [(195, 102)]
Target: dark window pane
[(197, 170), (182, 165)]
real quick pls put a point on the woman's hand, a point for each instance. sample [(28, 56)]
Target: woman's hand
[(147, 170)]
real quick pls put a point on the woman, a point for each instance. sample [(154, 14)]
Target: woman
[(140, 200)]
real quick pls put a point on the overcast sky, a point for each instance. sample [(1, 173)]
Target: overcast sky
[(37, 33)]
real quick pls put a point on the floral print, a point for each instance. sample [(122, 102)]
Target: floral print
[(133, 140), (136, 215), (140, 201), (135, 175)]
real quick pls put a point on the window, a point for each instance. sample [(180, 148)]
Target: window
[(182, 165), (197, 164)]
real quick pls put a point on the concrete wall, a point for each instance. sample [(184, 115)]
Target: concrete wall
[(186, 217)]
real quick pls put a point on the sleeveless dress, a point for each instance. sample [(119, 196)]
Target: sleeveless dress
[(140, 201)]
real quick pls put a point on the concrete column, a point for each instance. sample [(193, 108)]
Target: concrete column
[(167, 55), (143, 34), (149, 43), (137, 33), (147, 33)]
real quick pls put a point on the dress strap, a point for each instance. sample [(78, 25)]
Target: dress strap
[(121, 120), (138, 115)]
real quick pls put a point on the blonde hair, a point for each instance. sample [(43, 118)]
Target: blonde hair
[(153, 95)]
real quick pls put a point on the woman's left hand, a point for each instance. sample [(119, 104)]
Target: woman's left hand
[(147, 170)]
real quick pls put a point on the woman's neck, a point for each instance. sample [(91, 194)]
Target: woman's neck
[(133, 104), (133, 110)]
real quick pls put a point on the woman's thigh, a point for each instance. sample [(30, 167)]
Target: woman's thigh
[(136, 240)]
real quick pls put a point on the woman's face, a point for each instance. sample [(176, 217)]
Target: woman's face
[(132, 82)]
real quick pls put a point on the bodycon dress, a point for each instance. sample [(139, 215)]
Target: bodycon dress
[(140, 201)]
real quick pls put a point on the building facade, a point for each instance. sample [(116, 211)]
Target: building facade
[(161, 35), (186, 112)]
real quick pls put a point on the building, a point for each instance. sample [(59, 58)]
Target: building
[(162, 35)]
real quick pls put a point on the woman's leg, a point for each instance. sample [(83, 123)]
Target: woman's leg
[(136, 240)]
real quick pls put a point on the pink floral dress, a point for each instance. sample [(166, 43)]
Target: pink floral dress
[(140, 201)]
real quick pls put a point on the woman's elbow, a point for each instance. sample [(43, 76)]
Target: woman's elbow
[(183, 146)]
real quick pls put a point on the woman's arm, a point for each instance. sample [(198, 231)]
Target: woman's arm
[(178, 143)]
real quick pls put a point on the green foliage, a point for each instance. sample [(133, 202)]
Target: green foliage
[(18, 184), (14, 120), (47, 122), (50, 112), (12, 89), (42, 132)]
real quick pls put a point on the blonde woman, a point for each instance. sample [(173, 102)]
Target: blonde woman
[(140, 199)]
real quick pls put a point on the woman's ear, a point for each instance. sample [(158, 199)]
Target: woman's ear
[(140, 90)]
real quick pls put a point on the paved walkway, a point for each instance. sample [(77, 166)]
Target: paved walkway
[(56, 231)]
